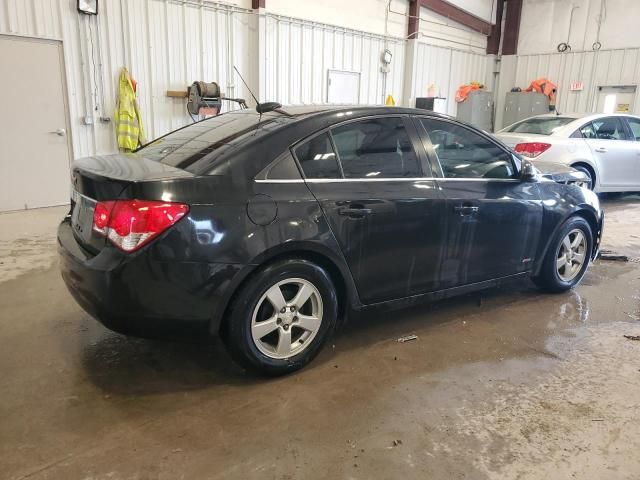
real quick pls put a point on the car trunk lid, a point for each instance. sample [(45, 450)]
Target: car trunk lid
[(512, 139)]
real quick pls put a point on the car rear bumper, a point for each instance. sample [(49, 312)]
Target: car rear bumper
[(137, 295)]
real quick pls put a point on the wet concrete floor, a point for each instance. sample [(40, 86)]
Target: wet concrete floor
[(507, 384)]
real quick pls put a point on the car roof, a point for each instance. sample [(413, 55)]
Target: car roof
[(579, 119), (234, 133), (305, 111), (327, 114), (585, 115)]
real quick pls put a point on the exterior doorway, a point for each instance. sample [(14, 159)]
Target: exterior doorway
[(616, 99)]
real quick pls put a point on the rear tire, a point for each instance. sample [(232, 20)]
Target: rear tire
[(280, 319), (568, 257)]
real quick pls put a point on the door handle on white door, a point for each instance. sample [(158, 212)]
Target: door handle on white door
[(61, 132), (601, 150)]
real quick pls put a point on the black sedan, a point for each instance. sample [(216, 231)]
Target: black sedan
[(267, 228)]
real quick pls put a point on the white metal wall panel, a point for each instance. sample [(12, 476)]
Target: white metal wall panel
[(594, 69), (165, 44), (446, 69), (299, 54)]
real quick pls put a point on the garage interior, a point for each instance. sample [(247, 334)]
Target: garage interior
[(507, 383)]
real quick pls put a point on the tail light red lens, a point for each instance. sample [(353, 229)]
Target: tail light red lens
[(130, 224), (532, 149)]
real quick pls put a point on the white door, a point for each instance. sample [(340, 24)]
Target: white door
[(634, 125), (614, 152), (34, 142), (343, 87)]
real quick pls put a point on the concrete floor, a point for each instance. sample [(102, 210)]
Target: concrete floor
[(507, 384)]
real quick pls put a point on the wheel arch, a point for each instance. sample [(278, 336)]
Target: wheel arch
[(586, 212), (335, 266), (592, 169)]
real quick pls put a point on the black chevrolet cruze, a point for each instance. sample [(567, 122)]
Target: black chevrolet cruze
[(268, 228)]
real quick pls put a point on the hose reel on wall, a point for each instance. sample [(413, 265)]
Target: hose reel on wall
[(203, 98)]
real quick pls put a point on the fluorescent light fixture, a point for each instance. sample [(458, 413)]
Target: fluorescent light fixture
[(88, 7)]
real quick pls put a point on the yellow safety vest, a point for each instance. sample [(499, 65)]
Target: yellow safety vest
[(129, 129)]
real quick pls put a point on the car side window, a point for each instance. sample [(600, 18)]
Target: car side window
[(588, 131), (465, 154), (376, 148), (283, 168), (317, 158), (634, 125), (609, 128)]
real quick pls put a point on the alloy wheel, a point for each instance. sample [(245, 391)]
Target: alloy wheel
[(572, 254), (287, 318)]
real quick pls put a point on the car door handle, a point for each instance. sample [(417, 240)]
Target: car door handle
[(601, 150), (466, 209), (61, 132), (354, 212)]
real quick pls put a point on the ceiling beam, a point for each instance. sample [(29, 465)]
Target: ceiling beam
[(446, 9), (414, 19), (512, 27), (493, 41)]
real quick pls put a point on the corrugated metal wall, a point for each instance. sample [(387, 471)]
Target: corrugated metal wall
[(166, 44), (446, 69), (602, 68), (299, 53)]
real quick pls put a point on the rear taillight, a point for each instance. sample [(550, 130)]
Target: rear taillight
[(130, 224), (532, 149)]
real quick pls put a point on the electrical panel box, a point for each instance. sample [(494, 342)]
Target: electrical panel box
[(521, 105), (477, 110)]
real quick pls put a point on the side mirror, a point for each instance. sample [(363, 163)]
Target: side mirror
[(529, 172)]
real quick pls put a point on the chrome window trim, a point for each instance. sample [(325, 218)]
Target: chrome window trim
[(276, 180), (392, 179), (372, 180), (456, 179)]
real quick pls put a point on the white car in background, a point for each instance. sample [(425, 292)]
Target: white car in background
[(606, 147)]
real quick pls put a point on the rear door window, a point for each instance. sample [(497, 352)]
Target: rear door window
[(317, 158), (376, 148)]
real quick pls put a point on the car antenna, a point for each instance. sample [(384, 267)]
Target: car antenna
[(245, 84), (260, 107)]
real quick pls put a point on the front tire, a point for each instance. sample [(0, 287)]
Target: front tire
[(568, 257), (280, 319)]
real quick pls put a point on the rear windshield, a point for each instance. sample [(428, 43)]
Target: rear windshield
[(540, 126), (185, 148)]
